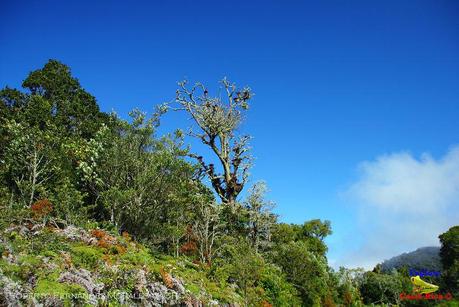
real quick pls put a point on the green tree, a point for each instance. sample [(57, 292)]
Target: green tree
[(449, 254), (73, 109), (141, 184), (306, 270), (314, 232), (311, 232), (379, 288), (257, 280), (37, 130), (348, 284), (11, 103)]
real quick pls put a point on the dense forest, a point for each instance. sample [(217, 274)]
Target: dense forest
[(100, 210), (424, 257)]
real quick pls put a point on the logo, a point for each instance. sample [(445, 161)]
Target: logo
[(424, 291), (421, 286), (429, 296), (424, 273)]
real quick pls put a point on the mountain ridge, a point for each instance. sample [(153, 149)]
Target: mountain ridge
[(423, 258)]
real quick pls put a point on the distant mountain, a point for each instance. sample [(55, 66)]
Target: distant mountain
[(424, 258)]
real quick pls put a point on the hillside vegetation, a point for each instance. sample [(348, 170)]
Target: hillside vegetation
[(67, 265), (424, 258), (97, 210)]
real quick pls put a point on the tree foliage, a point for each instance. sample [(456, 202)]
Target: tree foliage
[(449, 254), (260, 217)]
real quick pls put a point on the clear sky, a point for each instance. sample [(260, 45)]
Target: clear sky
[(355, 117)]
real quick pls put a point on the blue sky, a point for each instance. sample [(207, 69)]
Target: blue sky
[(337, 83)]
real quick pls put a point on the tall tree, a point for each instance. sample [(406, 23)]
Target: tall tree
[(449, 254), (307, 271), (140, 183), (74, 109), (217, 120), (311, 232), (43, 128)]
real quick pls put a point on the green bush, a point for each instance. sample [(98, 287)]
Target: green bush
[(70, 294), (140, 257), (86, 256)]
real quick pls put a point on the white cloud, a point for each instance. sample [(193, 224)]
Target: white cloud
[(403, 203)]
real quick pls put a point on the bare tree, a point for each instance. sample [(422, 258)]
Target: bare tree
[(217, 120)]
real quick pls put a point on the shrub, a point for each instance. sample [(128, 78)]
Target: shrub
[(86, 256), (104, 239), (126, 236), (41, 208), (188, 248), (167, 278), (66, 292), (98, 233), (141, 257)]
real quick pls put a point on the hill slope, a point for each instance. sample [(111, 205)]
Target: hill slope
[(60, 266), (424, 258)]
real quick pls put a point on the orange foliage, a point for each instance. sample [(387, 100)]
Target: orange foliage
[(328, 302), (266, 304), (107, 259), (188, 248), (41, 208), (347, 298), (104, 240), (120, 249), (67, 260), (126, 236), (167, 278), (98, 233), (103, 243), (208, 260)]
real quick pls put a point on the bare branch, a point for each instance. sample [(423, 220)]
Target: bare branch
[(219, 122)]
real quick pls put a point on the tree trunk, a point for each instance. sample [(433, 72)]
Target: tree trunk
[(34, 177)]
